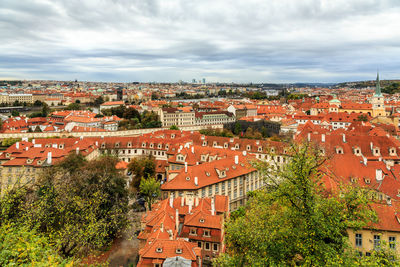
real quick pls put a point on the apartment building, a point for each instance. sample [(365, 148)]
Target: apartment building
[(184, 116), (11, 98), (214, 117), (232, 177)]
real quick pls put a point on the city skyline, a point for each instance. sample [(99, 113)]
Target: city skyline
[(167, 41)]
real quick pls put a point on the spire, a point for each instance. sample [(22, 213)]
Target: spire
[(378, 86)]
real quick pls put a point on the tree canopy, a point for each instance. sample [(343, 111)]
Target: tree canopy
[(142, 167), (78, 205), (293, 220)]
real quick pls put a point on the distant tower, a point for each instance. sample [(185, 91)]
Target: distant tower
[(378, 101), (204, 80)]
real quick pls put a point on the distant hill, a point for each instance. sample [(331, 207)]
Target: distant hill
[(388, 86)]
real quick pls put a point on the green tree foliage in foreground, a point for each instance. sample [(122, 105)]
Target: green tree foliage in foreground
[(174, 127), (21, 246), (78, 205), (150, 189), (294, 221)]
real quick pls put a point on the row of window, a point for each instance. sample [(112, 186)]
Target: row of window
[(377, 241)]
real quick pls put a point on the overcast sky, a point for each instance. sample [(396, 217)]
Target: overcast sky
[(171, 40)]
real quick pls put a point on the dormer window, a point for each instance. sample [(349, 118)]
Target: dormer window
[(353, 179), (248, 147), (259, 149), (117, 144), (207, 173), (376, 151), (367, 180), (357, 151), (159, 250), (322, 151), (204, 143), (215, 144), (103, 145), (178, 251), (166, 146), (392, 151), (201, 220), (143, 144), (272, 150), (187, 178), (172, 135), (129, 144), (61, 146), (237, 146), (193, 231), (339, 150), (159, 146), (151, 145), (226, 145)]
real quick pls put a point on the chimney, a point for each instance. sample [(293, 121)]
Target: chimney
[(323, 138), (97, 143), (25, 139), (33, 141), (196, 181), (49, 159), (236, 159), (192, 149), (17, 145), (309, 137), (378, 175), (77, 150), (177, 220), (185, 167), (171, 201), (190, 207), (212, 206), (365, 160), (182, 201), (371, 145), (344, 138), (196, 202), (162, 227)]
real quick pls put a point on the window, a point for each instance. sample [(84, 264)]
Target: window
[(215, 247), (159, 250), (207, 246), (178, 251), (392, 242), (193, 231), (377, 241), (358, 240), (199, 244), (206, 232)]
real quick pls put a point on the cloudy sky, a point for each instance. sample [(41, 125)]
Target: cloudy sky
[(171, 40)]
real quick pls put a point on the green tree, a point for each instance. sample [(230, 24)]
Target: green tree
[(238, 128), (14, 113), (10, 141), (73, 106), (362, 117), (98, 101), (174, 127), (38, 103), (140, 168), (45, 110), (294, 221), (78, 205), (150, 189), (21, 246)]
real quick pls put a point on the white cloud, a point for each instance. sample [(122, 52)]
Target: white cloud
[(271, 41)]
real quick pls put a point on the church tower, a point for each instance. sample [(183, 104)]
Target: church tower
[(378, 101)]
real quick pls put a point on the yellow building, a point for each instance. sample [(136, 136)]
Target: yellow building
[(386, 232)]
